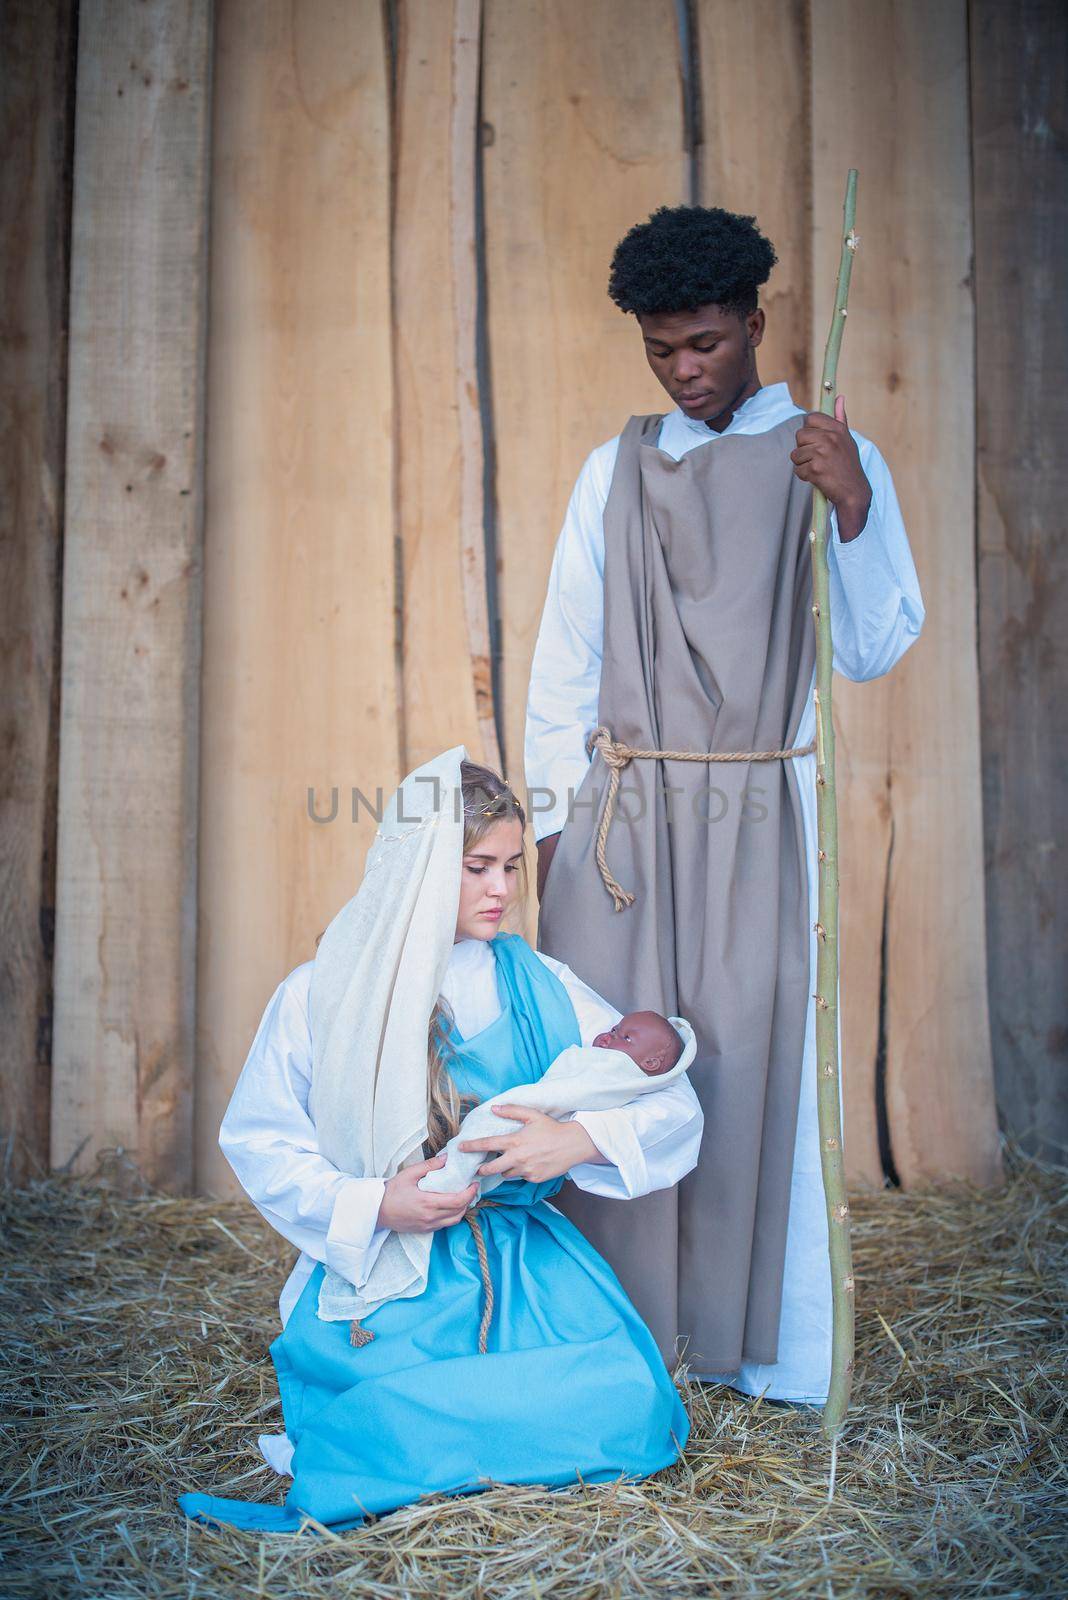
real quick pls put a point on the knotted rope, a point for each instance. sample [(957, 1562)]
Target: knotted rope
[(359, 1335), (483, 1263), (616, 756)]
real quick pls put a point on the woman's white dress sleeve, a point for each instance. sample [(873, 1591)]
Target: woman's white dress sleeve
[(269, 1139)]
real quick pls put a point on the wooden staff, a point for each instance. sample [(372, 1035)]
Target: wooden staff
[(828, 1098)]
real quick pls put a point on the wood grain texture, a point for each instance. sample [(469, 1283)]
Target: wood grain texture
[(889, 96), (755, 157), (36, 129), (126, 873), (1019, 58), (300, 669), (584, 139), (448, 691)]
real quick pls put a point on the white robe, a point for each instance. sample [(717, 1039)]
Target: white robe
[(876, 614), (269, 1139)]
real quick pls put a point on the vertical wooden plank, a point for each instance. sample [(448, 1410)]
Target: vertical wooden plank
[(300, 672), (755, 157), (35, 145), (1019, 58), (126, 887), (448, 692), (584, 139), (910, 743)]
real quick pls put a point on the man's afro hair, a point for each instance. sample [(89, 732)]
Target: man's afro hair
[(690, 256)]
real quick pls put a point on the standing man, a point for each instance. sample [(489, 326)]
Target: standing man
[(678, 619)]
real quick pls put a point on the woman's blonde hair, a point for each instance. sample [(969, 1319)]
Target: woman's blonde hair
[(487, 801)]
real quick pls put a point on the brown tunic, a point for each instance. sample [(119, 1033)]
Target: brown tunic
[(708, 646)]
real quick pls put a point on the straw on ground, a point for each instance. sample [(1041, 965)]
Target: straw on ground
[(134, 1362)]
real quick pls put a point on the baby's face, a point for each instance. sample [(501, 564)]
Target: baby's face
[(647, 1038)]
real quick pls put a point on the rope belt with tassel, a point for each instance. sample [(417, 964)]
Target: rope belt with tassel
[(616, 756), (483, 1264), (359, 1335)]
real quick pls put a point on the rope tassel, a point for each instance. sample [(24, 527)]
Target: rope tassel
[(487, 1282), (360, 1336)]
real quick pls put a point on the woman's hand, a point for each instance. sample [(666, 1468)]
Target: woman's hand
[(541, 1150), (408, 1209)]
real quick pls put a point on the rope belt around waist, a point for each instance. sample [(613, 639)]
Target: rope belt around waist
[(359, 1335), (616, 756)]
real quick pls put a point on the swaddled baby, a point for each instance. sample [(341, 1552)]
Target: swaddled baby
[(643, 1051)]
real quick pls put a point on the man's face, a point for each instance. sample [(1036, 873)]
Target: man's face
[(705, 359)]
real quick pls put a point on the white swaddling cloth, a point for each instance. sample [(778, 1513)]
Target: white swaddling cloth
[(582, 1078)]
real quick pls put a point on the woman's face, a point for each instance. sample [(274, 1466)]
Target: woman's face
[(489, 879)]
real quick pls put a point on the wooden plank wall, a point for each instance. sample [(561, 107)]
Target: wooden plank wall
[(755, 157), (347, 591), (909, 744), (300, 669), (35, 147), (584, 136), (1019, 57), (758, 153), (126, 872), (447, 669)]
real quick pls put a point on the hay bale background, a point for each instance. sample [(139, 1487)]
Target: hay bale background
[(134, 1364)]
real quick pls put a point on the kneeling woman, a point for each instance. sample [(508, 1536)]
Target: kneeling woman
[(433, 1342)]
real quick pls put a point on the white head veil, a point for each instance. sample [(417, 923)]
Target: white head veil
[(378, 972)]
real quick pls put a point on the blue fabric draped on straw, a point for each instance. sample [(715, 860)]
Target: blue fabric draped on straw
[(572, 1385)]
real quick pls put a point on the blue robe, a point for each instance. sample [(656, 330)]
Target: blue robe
[(571, 1385)]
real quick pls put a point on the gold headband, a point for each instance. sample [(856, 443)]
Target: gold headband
[(498, 804)]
